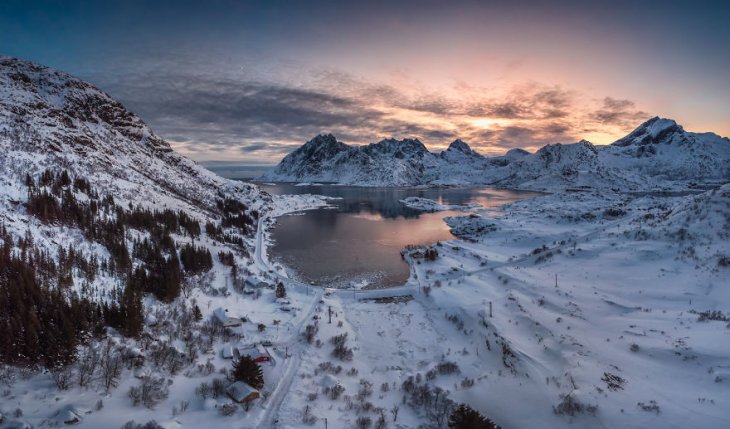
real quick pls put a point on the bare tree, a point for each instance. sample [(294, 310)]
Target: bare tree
[(62, 376), (394, 412), (110, 365), (87, 367)]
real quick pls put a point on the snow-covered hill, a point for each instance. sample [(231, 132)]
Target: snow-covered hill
[(656, 155), (51, 119)]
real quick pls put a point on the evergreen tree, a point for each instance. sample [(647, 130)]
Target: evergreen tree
[(280, 290), (246, 369), (465, 417)]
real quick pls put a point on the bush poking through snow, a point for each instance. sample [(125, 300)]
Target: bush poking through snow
[(310, 332), (307, 417), (651, 406), (335, 391), (465, 417), (363, 422), (228, 409), (571, 406), (150, 392), (134, 425), (341, 351)]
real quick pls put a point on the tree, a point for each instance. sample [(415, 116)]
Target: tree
[(280, 290), (247, 370), (197, 314), (465, 417)]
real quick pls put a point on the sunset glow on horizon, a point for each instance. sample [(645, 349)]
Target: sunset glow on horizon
[(249, 82)]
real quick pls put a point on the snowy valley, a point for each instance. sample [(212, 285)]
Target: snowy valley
[(138, 288)]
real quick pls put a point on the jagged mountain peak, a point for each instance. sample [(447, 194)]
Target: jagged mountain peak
[(460, 146), (323, 144), (654, 131), (392, 143)]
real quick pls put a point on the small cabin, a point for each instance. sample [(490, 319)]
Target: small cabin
[(242, 393), (221, 316)]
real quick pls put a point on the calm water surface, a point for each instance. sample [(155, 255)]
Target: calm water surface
[(358, 242)]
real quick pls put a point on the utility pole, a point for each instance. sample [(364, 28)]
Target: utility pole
[(325, 423), (490, 308), (330, 313), (556, 280)]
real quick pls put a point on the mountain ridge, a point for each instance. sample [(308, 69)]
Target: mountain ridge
[(657, 152)]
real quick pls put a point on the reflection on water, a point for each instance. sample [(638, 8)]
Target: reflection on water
[(360, 239)]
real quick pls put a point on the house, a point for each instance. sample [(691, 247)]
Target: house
[(258, 353), (230, 352), (241, 392), (221, 316)]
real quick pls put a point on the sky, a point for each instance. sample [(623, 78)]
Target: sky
[(246, 82)]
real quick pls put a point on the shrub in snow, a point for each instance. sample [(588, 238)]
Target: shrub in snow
[(204, 390), (634, 347), (447, 368), (365, 390), (61, 376), (341, 351), (307, 417), (651, 406), (465, 417), (150, 392), (227, 409), (571, 406), (310, 332), (335, 391), (134, 425), (363, 422), (381, 423)]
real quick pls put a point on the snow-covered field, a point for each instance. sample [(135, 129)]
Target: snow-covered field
[(566, 299)]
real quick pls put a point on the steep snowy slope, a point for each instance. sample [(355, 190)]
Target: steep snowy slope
[(51, 119), (654, 156)]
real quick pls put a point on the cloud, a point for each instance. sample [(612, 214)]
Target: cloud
[(618, 112), (220, 116)]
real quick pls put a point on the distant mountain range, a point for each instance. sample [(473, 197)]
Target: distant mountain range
[(658, 154)]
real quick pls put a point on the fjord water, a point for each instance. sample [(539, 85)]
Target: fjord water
[(358, 240)]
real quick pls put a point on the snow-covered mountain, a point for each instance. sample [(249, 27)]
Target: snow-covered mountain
[(656, 152), (386, 163), (51, 119)]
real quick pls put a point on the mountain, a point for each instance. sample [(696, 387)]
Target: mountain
[(50, 119), (389, 162), (657, 154), (663, 149), (97, 212)]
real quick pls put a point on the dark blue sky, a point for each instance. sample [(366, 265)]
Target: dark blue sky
[(248, 80)]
